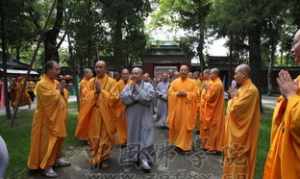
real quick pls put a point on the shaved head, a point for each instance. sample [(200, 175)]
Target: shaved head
[(184, 71), (137, 70), (100, 68), (245, 69), (206, 74), (88, 73), (242, 73), (125, 74), (215, 71)]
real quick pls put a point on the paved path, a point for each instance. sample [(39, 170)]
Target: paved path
[(169, 164)]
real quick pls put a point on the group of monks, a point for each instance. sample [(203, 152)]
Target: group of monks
[(121, 112)]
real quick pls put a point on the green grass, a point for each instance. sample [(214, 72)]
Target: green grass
[(264, 142), (18, 140)]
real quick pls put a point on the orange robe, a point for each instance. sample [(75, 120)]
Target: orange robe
[(119, 111), (48, 125), (214, 111), (96, 122), (242, 130), (83, 98), (182, 113), (20, 97), (203, 123), (283, 160)]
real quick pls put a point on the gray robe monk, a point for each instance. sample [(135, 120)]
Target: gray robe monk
[(162, 103), (140, 122)]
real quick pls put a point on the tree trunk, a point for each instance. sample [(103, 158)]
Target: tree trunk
[(4, 59), (270, 67), (200, 48), (117, 43), (50, 36), (255, 59), (255, 55)]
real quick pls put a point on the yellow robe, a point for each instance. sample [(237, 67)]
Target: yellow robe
[(20, 97), (214, 111), (119, 111), (83, 99), (242, 130), (96, 122), (182, 113), (48, 125), (202, 112), (283, 160)]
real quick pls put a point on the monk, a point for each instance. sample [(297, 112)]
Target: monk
[(83, 93), (137, 96), (182, 110), (83, 85), (214, 113), (242, 127), (147, 77), (20, 95), (283, 159), (119, 108), (162, 101), (49, 123), (201, 107), (96, 122)]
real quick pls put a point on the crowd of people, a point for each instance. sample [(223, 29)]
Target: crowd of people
[(120, 112)]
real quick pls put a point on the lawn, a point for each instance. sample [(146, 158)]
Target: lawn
[(18, 140)]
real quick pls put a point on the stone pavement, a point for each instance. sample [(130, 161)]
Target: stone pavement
[(169, 164)]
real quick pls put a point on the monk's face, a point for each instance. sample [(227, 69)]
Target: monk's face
[(195, 75), (88, 75), (146, 77), (136, 75), (54, 72), (190, 75), (213, 76), (296, 48), (206, 76), (100, 69), (184, 71), (239, 77), (125, 74)]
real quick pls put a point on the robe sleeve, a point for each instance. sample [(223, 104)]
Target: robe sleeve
[(293, 107), (53, 105), (240, 105), (126, 96), (145, 94)]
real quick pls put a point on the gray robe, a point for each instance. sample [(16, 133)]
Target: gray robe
[(162, 103), (140, 122)]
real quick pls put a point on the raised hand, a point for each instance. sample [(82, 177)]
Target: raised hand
[(288, 87), (97, 86)]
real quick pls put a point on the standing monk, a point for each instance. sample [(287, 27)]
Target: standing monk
[(84, 88), (95, 119), (49, 123), (182, 96), (20, 95), (162, 100), (283, 161), (119, 107), (137, 96), (214, 113), (242, 127), (203, 123)]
